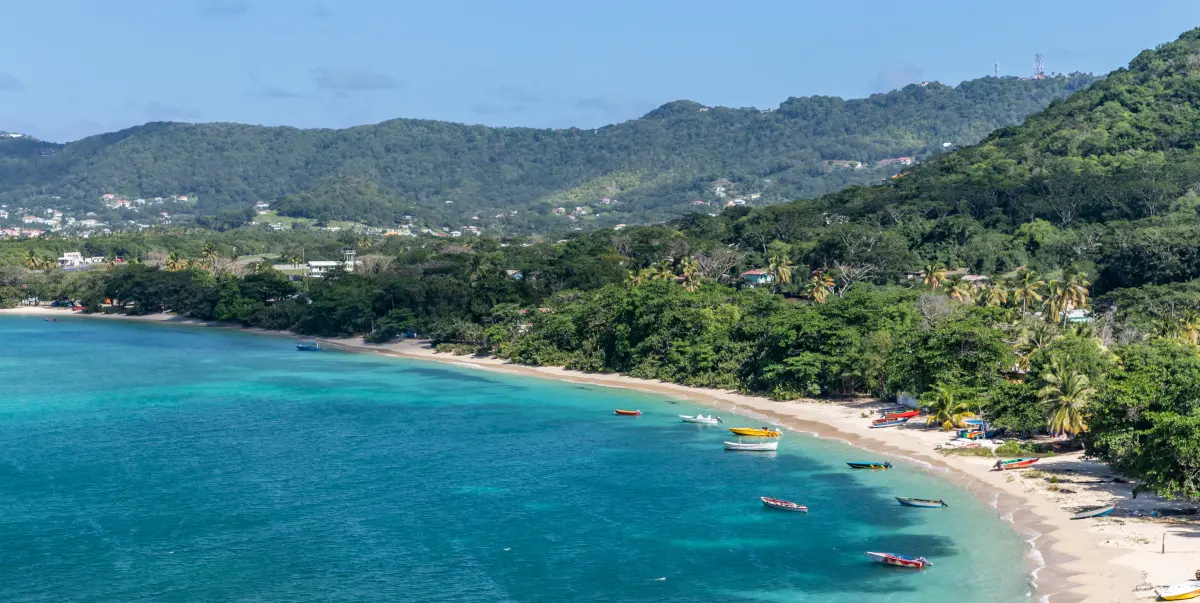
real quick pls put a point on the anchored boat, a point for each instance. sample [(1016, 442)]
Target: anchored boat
[(1179, 592), (309, 346), (699, 418), (899, 560), (753, 447), (921, 502), (760, 432), (883, 465), (783, 505), (1015, 464), (627, 413), (1096, 512)]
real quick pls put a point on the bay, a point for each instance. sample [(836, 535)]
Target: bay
[(160, 463)]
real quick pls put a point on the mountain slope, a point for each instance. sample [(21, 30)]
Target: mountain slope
[(1124, 149), (653, 165)]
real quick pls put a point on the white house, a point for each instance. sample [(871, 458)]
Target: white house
[(71, 259)]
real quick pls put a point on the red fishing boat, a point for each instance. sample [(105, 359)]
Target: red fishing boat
[(627, 413), (1015, 464), (783, 505), (899, 560), (908, 414)]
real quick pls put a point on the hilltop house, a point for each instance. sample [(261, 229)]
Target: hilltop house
[(757, 277)]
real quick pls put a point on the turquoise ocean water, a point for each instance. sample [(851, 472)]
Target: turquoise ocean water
[(151, 463)]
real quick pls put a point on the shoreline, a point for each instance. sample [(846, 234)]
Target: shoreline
[(1106, 560)]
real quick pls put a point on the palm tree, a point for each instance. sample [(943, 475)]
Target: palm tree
[(661, 271), (960, 290), (1064, 395), (32, 261), (210, 253), (292, 258), (1077, 290), (818, 287), (1026, 290), (690, 269), (1058, 301), (947, 410), (780, 269), (995, 296), (933, 275), (1189, 327), (639, 277), (176, 262), (1032, 340), (47, 262)]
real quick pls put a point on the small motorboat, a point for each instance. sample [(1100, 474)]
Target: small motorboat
[(908, 414), (1179, 592), (1095, 512), (759, 432), (883, 465), (753, 446), (899, 560), (627, 413), (309, 346), (878, 423), (783, 505), (1015, 464), (701, 419), (921, 502)]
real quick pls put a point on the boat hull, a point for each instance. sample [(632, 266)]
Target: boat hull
[(1016, 464), (1097, 512), (885, 423), (783, 505), (880, 466), (899, 560), (756, 447), (309, 348), (920, 502), (1180, 592), (699, 420), (902, 415), (754, 432), (627, 413)]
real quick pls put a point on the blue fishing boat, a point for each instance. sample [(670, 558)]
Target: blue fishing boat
[(309, 346), (887, 423), (883, 465), (921, 502), (1096, 512)]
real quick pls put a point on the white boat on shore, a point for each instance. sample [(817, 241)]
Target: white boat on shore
[(753, 446), (1179, 592), (701, 419)]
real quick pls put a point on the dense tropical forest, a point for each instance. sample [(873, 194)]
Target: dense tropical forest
[(965, 282), (446, 174)]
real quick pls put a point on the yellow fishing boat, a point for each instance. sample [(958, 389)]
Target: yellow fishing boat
[(1179, 592), (756, 432)]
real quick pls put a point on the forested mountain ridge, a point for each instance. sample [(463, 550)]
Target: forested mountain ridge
[(1124, 149), (654, 165)]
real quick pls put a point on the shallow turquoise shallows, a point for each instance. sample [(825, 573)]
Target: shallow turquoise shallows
[(152, 463)]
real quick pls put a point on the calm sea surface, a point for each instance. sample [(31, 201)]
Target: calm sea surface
[(151, 463)]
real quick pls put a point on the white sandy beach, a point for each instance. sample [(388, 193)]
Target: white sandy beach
[(1107, 560)]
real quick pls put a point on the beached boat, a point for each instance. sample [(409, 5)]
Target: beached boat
[(891, 409), (902, 415), (627, 413), (899, 560), (1179, 592), (921, 502), (756, 432), (1015, 464), (878, 423), (309, 346), (783, 505), (703, 420), (883, 465), (753, 446), (1096, 512)]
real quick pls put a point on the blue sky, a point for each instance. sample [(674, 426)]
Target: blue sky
[(72, 68)]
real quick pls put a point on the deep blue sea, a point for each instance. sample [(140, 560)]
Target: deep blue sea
[(154, 463)]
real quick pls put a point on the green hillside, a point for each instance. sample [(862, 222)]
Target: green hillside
[(654, 166)]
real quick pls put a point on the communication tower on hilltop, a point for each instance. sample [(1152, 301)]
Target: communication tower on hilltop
[(1039, 69), (997, 74)]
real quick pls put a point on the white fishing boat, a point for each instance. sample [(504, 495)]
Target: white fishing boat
[(753, 446), (701, 419), (1179, 592)]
